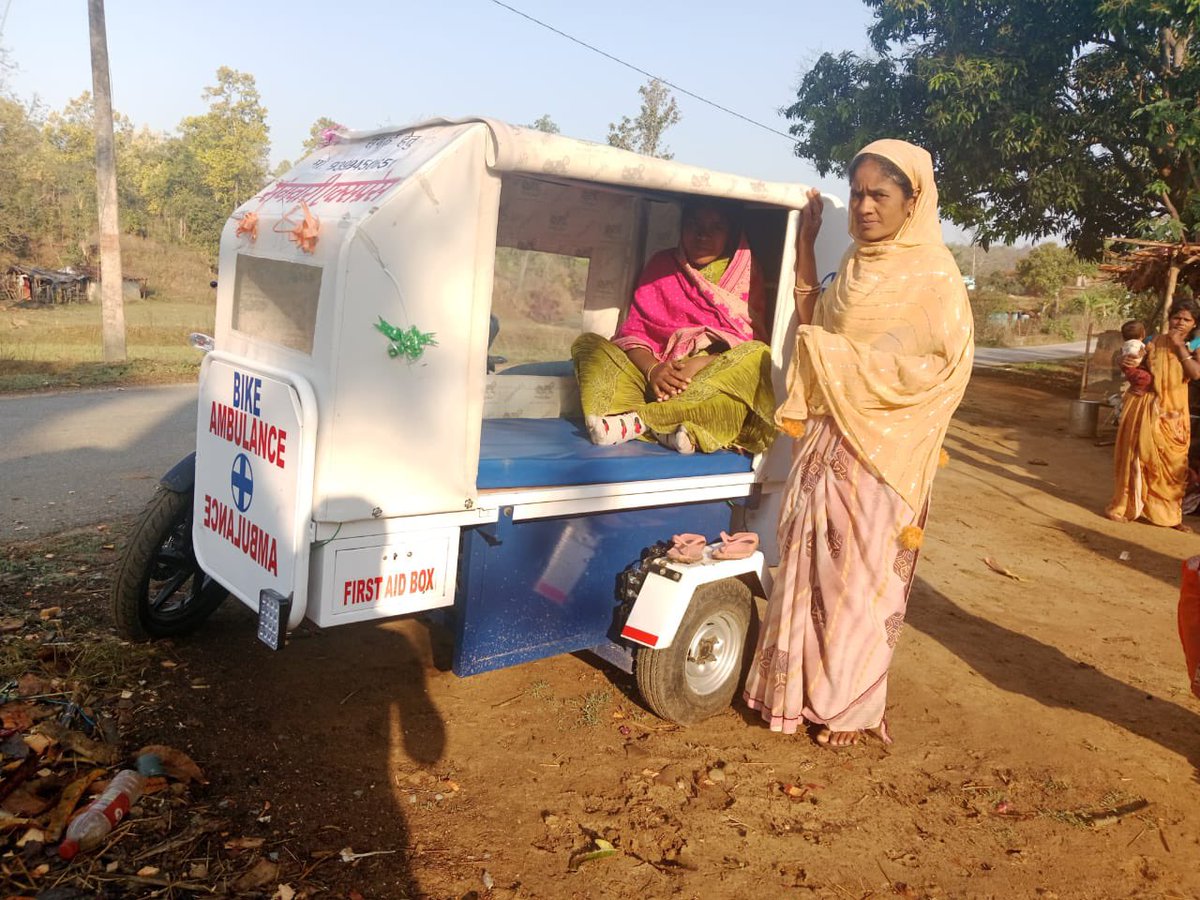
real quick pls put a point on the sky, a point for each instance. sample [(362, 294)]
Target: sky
[(371, 63), (374, 63)]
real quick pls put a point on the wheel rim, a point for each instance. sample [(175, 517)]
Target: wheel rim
[(176, 583), (713, 654)]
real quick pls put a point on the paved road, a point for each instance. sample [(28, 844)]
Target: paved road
[(87, 456), (990, 357)]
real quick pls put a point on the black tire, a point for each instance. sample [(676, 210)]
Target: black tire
[(160, 590), (697, 675)]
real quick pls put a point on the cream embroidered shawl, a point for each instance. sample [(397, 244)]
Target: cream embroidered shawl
[(889, 351)]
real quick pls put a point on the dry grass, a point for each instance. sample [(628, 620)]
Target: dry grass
[(53, 347), (173, 274), (58, 587)]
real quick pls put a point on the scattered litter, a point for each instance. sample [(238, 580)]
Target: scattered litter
[(1124, 556), (174, 763), (245, 843), (799, 791), (602, 850), (94, 751), (1102, 818), (347, 854), (996, 567), (259, 875)]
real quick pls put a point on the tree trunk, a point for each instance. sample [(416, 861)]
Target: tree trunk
[(112, 301)]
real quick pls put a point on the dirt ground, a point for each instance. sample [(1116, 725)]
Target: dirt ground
[(1046, 741)]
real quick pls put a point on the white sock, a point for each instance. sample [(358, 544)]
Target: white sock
[(678, 440), (616, 429)]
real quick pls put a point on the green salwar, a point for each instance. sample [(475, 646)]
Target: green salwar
[(729, 403)]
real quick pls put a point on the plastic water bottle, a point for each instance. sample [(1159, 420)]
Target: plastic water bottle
[(100, 816)]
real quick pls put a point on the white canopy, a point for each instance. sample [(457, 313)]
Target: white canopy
[(526, 150)]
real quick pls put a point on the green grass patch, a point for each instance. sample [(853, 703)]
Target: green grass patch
[(22, 376), (44, 348), (58, 347)]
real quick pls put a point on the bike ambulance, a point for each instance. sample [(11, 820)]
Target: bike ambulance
[(389, 424)]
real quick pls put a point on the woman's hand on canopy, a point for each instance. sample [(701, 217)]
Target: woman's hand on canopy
[(810, 218)]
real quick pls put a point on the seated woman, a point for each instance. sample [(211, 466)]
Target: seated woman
[(685, 366)]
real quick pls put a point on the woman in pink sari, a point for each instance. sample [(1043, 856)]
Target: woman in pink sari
[(882, 359), (684, 367)]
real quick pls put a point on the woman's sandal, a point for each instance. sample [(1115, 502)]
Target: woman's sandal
[(687, 548), (738, 545)]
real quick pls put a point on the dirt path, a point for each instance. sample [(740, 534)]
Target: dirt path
[(1046, 742), (1025, 711)]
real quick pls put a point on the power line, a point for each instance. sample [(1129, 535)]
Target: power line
[(4, 18), (627, 65)]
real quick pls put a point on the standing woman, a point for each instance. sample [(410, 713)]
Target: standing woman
[(881, 362), (1151, 456)]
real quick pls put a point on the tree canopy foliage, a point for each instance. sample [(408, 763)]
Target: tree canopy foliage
[(644, 134), (545, 123), (180, 187), (1071, 117), (1047, 269)]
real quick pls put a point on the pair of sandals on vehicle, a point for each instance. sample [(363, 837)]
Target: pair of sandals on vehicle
[(689, 548)]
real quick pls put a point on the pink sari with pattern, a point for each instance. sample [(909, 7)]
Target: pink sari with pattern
[(677, 312), (837, 605)]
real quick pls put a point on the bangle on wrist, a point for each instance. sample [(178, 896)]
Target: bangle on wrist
[(805, 291)]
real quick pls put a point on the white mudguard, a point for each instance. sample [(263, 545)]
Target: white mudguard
[(668, 589)]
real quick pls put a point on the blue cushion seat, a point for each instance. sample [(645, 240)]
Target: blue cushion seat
[(515, 453)]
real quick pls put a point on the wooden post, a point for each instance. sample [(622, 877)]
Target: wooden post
[(112, 301), (1169, 290), (1087, 357)]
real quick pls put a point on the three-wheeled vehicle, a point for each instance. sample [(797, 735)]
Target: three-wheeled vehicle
[(388, 420)]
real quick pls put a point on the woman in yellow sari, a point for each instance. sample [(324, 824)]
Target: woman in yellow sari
[(882, 359), (1151, 456)]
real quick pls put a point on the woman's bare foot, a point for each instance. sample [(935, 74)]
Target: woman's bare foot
[(838, 739), (1186, 529), (1116, 518)]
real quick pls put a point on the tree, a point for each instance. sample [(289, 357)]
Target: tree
[(1072, 117), (24, 174), (544, 123), (316, 134), (223, 153), (645, 133), (1047, 269)]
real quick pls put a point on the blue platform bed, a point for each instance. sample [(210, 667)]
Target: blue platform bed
[(518, 453)]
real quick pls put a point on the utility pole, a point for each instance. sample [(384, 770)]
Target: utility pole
[(112, 301)]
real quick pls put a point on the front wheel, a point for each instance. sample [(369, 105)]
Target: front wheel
[(697, 675), (160, 590)]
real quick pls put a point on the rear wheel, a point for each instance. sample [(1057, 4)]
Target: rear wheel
[(160, 589), (697, 675)]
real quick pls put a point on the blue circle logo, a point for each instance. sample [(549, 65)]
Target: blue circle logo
[(241, 481)]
